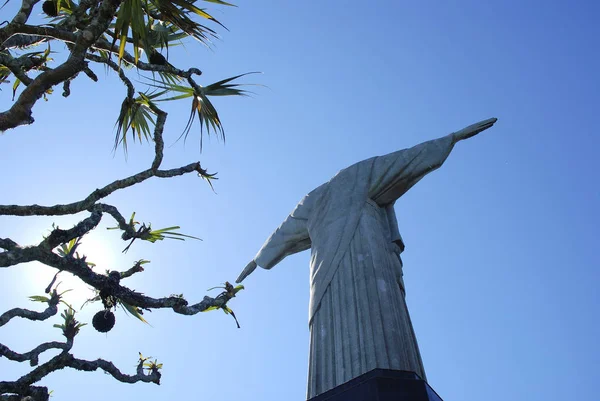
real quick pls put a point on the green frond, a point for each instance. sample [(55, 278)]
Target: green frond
[(132, 310), (167, 233), (202, 108), (176, 12), (161, 35), (220, 2), (4, 74), (136, 114), (65, 6), (130, 16), (15, 86), (69, 247), (39, 298), (225, 88)]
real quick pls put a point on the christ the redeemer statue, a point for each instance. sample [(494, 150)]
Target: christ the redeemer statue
[(358, 317)]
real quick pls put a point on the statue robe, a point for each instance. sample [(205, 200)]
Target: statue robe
[(358, 317)]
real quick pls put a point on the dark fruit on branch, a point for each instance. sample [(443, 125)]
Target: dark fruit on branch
[(49, 7), (103, 321), (157, 58)]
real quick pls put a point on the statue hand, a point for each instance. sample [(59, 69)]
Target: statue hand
[(473, 130), (246, 272)]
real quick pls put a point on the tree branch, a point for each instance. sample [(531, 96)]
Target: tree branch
[(79, 268), (64, 359), (21, 111), (58, 236), (129, 231), (102, 44), (8, 244), (76, 207), (33, 355), (110, 368), (31, 393), (17, 67), (161, 115), (137, 268), (32, 315), (159, 144), (20, 18), (117, 69)]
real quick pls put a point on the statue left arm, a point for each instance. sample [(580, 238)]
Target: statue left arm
[(291, 237)]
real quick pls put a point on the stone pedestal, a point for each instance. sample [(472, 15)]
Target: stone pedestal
[(382, 385)]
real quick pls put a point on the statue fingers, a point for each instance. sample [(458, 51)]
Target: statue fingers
[(474, 129), (246, 272), (485, 124)]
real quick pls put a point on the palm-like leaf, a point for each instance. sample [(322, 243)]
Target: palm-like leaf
[(137, 16), (159, 235), (134, 311), (202, 107), (161, 35), (4, 74), (130, 16), (176, 12), (136, 114)]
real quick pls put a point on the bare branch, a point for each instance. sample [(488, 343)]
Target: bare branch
[(17, 67), (33, 355), (32, 315), (58, 236), (110, 368), (31, 393), (20, 18), (114, 66), (8, 244), (64, 359), (129, 231), (19, 41), (137, 268), (159, 144), (76, 207)]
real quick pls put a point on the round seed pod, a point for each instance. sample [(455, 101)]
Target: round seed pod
[(49, 7), (103, 321)]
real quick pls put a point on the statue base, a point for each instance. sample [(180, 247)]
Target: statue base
[(382, 385)]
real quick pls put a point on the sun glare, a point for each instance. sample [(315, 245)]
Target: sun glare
[(36, 277)]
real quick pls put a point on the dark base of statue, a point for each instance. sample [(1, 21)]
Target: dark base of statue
[(382, 385)]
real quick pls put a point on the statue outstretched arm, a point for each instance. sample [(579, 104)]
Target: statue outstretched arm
[(392, 175), (291, 237)]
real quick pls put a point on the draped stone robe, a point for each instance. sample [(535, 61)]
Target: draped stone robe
[(358, 317)]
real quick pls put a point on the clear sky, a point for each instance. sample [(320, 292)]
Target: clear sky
[(501, 260)]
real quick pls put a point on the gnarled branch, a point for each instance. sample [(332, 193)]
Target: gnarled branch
[(32, 315), (33, 355), (20, 113), (76, 207)]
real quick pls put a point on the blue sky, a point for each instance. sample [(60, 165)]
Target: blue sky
[(501, 260)]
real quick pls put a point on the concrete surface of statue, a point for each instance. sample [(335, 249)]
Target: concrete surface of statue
[(358, 317)]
